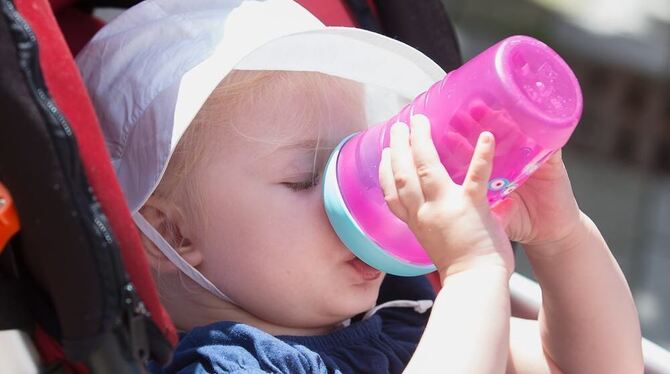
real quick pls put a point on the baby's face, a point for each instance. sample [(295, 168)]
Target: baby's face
[(265, 236)]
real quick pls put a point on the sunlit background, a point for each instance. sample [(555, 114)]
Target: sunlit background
[(619, 155)]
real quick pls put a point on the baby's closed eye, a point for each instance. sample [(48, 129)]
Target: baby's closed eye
[(303, 185)]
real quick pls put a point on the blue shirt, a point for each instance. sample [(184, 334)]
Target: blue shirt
[(383, 343)]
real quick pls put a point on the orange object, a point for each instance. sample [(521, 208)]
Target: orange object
[(9, 219)]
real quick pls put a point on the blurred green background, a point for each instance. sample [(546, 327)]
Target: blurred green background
[(619, 155)]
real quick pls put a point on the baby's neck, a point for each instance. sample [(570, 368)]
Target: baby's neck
[(276, 330)]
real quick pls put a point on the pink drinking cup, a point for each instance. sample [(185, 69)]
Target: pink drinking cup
[(519, 89)]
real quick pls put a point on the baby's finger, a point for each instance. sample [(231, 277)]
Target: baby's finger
[(404, 171), (433, 177), (481, 166), (387, 184)]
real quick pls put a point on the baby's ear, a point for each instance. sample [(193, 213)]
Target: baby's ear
[(169, 221)]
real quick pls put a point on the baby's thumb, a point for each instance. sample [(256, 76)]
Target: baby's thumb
[(476, 180)]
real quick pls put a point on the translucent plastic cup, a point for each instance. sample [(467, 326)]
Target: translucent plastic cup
[(519, 89)]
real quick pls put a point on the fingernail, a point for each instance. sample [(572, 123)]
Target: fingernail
[(399, 124), (486, 137), (419, 118)]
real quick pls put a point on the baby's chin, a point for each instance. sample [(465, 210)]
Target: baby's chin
[(360, 298), (333, 308)]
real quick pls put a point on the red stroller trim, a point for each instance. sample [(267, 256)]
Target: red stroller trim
[(68, 91), (9, 220)]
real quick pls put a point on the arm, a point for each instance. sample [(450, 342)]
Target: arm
[(468, 330), (588, 320)]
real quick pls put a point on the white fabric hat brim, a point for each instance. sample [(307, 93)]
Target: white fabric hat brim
[(147, 120)]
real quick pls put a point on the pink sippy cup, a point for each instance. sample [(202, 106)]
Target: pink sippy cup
[(519, 89)]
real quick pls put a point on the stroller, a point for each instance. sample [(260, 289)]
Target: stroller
[(75, 290)]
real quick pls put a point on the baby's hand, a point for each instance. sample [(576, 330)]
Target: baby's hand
[(453, 223), (543, 214)]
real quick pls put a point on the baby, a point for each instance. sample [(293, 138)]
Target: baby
[(232, 200)]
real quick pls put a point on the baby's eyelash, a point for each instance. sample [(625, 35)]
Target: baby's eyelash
[(301, 186)]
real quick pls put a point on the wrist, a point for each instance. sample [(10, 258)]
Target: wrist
[(476, 280), (574, 239), (492, 264)]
